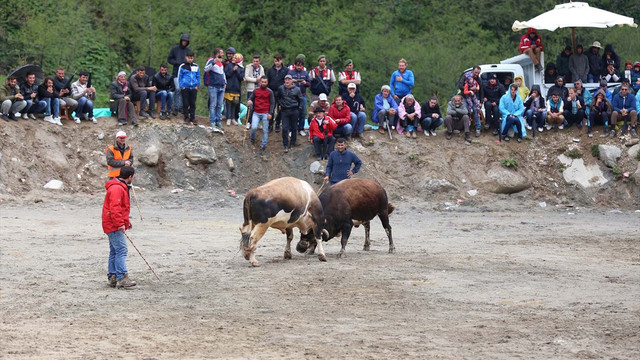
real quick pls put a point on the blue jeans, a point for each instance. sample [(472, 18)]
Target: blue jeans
[(53, 106), (85, 105), (429, 124), (510, 122), (303, 109), (216, 98), (117, 254), (538, 117), (357, 121), (255, 119), (36, 108), (166, 100), (343, 130)]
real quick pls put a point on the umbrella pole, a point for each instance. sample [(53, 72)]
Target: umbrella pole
[(573, 38)]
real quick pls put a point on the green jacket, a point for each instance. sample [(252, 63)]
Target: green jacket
[(7, 93)]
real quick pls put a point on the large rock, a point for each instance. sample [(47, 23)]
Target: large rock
[(633, 151), (504, 181), (201, 156), (581, 175), (315, 167), (54, 185), (636, 175), (150, 156), (437, 185), (609, 154), (57, 159)]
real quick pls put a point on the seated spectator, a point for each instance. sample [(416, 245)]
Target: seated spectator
[(385, 109), (29, 91), (579, 65), (623, 81), (573, 109), (163, 82), (62, 86), (595, 62), (142, 92), (457, 118), (120, 100), (624, 108), (523, 90), (610, 56), (48, 94), (555, 109), (531, 44), (586, 96), (562, 63), (11, 99), (611, 74), (635, 77), (511, 108), (341, 114), (550, 73), (322, 102), (409, 116), (349, 76), (471, 91), (84, 96), (600, 113), (356, 105), (607, 92), (559, 88), (507, 81), (321, 130), (493, 91), (431, 117), (535, 109)]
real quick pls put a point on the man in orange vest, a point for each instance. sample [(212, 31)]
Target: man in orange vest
[(118, 155)]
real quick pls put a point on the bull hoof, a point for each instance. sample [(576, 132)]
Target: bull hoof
[(322, 258), (302, 246), (366, 247), (246, 256), (255, 264), (287, 255), (392, 249), (341, 254)]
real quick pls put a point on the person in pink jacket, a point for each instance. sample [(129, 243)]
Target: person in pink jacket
[(409, 115)]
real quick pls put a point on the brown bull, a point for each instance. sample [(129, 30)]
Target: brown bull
[(349, 203), (282, 204)]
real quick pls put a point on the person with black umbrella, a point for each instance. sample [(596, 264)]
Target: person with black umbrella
[(11, 99)]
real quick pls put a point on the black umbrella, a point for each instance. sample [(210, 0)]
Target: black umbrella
[(21, 73)]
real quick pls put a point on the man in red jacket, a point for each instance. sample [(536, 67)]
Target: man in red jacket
[(321, 133), (115, 220)]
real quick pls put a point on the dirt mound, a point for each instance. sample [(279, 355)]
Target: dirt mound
[(429, 171)]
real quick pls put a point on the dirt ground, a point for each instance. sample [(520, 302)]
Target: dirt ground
[(550, 283)]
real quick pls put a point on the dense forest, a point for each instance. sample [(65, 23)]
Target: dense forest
[(439, 39)]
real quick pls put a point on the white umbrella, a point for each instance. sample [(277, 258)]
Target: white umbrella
[(574, 14)]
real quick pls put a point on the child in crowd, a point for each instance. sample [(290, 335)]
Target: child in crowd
[(189, 82), (523, 91)]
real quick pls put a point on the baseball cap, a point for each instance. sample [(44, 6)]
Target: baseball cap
[(121, 134), (288, 76), (318, 109), (351, 86), (603, 82), (231, 50), (322, 96)]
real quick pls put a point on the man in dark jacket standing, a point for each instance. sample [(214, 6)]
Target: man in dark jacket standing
[(115, 221), (289, 100), (276, 75), (176, 58)]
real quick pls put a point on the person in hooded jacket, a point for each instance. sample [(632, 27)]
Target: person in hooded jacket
[(550, 73), (340, 113), (512, 109), (600, 113), (176, 58), (409, 113), (531, 44), (559, 88), (492, 92), (562, 63), (579, 64), (608, 56), (595, 62), (535, 109)]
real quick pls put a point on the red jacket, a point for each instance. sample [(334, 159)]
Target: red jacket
[(115, 211), (340, 116), (525, 42), (314, 128)]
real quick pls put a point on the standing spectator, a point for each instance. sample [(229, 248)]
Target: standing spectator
[(409, 116), (349, 76), (216, 81), (275, 76), (492, 92), (235, 75), (321, 78), (11, 99), (252, 74), (457, 118), (163, 82), (356, 105), (301, 79), (115, 221), (341, 114), (402, 81), (574, 109), (118, 155), (29, 91), (550, 73), (85, 96), (601, 110), (562, 63), (385, 109), (624, 107), (595, 62), (470, 91), (47, 93), (62, 86), (511, 108), (431, 116), (321, 133), (289, 99), (534, 109), (340, 162), (176, 58), (142, 92), (579, 65), (263, 102), (301, 57), (609, 56), (120, 100), (189, 82), (531, 44), (555, 110)]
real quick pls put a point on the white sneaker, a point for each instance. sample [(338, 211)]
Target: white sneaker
[(303, 133), (248, 125), (57, 120), (33, 117), (540, 129), (433, 133), (25, 116), (94, 120), (528, 127), (548, 127), (49, 119), (561, 127), (77, 120), (426, 133), (228, 122)]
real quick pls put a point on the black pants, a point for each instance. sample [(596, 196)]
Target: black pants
[(289, 123), (189, 103), (324, 147), (492, 115)]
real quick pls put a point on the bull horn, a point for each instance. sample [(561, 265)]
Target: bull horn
[(325, 234)]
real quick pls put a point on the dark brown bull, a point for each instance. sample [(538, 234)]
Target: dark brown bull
[(350, 203), (282, 204)]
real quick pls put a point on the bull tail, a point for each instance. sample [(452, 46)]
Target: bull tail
[(246, 210), (390, 208)]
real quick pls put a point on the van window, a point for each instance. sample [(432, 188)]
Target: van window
[(505, 78)]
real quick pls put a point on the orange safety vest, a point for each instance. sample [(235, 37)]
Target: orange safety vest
[(117, 155)]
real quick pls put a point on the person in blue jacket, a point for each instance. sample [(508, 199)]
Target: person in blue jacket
[(402, 81), (511, 108), (339, 164), (189, 82), (385, 109)]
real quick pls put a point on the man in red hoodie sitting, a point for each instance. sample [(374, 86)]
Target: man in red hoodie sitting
[(115, 221), (321, 130), (341, 114)]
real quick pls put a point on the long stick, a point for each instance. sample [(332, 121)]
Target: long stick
[(322, 187), (145, 260), (136, 199)]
